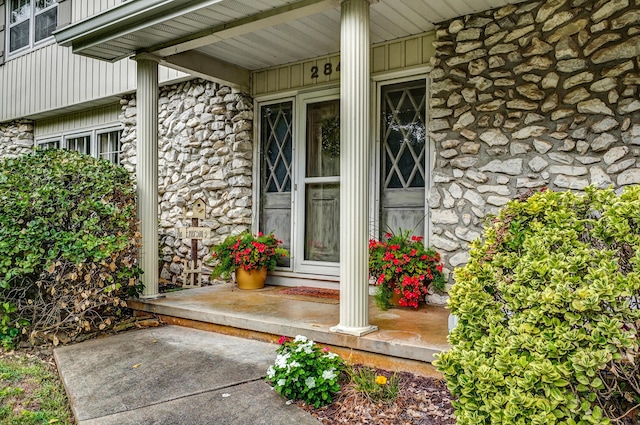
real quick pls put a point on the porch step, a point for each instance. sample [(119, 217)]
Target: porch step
[(406, 340)]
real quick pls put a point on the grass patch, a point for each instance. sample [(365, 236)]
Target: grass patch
[(31, 392), (377, 387)]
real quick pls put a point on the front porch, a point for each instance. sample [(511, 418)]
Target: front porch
[(406, 339)]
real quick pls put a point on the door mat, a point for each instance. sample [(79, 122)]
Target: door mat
[(306, 293)]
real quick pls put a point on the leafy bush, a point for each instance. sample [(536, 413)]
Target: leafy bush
[(67, 244), (549, 312), (304, 371)]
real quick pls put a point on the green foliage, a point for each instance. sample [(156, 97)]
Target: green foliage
[(403, 265), (549, 312), (377, 388), (67, 244), (30, 393), (247, 251), (303, 371)]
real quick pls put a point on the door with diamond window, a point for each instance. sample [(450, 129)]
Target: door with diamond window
[(277, 171), (404, 157)]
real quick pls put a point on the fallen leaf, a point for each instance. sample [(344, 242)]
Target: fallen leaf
[(135, 366)]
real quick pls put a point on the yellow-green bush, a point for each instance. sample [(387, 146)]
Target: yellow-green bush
[(549, 312), (68, 245)]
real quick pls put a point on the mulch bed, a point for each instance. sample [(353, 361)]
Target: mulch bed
[(422, 401)]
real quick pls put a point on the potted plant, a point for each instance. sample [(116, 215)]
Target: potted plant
[(403, 267), (249, 256)]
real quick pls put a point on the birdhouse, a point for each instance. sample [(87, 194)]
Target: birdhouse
[(199, 209)]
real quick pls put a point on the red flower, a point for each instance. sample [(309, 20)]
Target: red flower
[(283, 339), (404, 265)]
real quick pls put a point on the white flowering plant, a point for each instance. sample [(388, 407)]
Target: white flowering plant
[(304, 371)]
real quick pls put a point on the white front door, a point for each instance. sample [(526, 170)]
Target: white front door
[(318, 184), (300, 179)]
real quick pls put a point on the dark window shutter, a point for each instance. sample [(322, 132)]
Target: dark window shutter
[(3, 21)]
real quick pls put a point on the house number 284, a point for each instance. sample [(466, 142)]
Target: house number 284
[(327, 70)]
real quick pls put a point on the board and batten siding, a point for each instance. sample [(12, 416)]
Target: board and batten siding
[(394, 55), (52, 78), (81, 9), (89, 119)]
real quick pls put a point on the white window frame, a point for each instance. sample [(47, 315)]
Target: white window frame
[(32, 31), (48, 140), (63, 138), (69, 136), (107, 130)]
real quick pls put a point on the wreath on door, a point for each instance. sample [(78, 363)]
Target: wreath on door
[(330, 136)]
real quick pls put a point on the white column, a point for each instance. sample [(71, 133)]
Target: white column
[(354, 168), (147, 170)]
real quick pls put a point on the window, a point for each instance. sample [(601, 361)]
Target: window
[(79, 143), (109, 146), (48, 144), (103, 143), (31, 22)]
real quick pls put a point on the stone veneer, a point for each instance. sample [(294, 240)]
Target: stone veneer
[(205, 151), (16, 138), (531, 95)]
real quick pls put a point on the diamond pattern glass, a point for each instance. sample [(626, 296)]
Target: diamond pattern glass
[(277, 147), (403, 135)]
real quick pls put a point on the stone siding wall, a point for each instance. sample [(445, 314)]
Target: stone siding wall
[(205, 151), (16, 138), (538, 94)]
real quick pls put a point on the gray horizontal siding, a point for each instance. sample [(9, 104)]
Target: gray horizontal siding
[(52, 78)]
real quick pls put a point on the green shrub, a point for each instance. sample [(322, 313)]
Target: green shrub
[(549, 312), (67, 245)]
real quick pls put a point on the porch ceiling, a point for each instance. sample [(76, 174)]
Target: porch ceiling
[(251, 34)]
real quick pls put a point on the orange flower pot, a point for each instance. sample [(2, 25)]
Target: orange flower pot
[(251, 279), (395, 300)]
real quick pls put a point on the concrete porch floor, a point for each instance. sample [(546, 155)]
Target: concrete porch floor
[(407, 339)]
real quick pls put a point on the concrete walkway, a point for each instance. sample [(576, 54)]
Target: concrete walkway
[(173, 375)]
